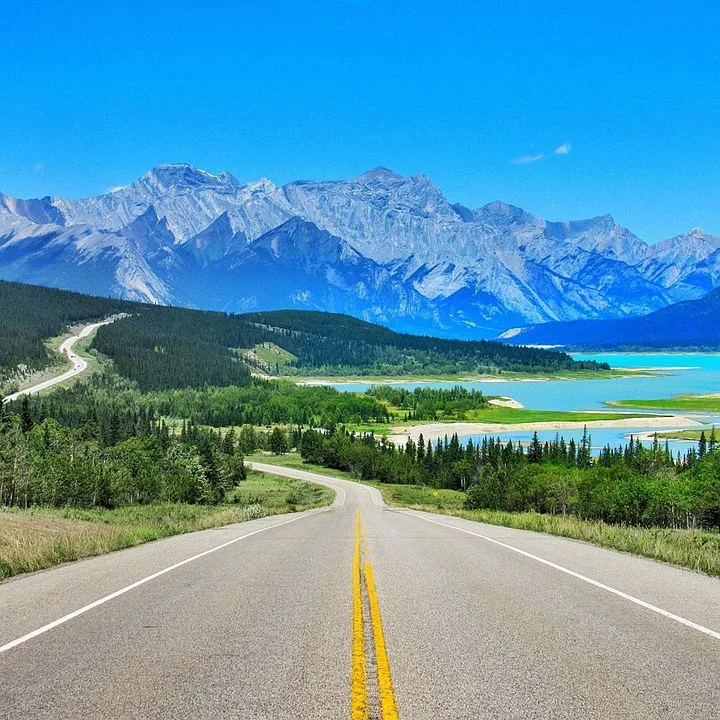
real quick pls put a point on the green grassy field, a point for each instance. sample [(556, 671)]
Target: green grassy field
[(42, 537), (513, 416), (688, 434), (700, 403), (273, 355)]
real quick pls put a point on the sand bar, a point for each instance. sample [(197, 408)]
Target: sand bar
[(434, 431)]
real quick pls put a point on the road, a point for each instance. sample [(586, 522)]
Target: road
[(79, 365), (361, 611)]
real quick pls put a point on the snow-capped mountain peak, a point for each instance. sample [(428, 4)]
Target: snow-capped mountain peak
[(182, 234)]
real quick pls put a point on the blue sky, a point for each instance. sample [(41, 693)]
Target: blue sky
[(478, 96)]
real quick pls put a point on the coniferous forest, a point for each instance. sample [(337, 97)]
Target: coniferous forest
[(162, 347), (631, 485)]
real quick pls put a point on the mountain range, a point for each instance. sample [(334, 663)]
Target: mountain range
[(691, 324), (382, 247)]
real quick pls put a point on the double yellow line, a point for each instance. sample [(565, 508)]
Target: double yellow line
[(359, 709)]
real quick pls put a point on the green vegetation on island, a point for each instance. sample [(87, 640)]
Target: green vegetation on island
[(691, 403)]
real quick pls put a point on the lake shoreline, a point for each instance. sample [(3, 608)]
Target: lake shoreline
[(615, 374), (437, 431)]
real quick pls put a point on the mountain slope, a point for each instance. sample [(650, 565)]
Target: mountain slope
[(401, 254), (297, 265), (688, 324)]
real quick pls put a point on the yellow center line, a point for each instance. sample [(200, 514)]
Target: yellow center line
[(388, 703), (358, 690)]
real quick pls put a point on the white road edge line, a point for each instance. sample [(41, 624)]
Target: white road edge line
[(373, 494), (128, 588), (572, 573)]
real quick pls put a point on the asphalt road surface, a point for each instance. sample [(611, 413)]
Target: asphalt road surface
[(78, 364), (361, 611)]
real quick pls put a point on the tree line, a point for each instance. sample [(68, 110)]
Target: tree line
[(30, 315), (162, 347), (48, 463), (632, 485)]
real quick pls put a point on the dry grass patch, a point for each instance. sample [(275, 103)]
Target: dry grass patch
[(42, 537), (33, 542)]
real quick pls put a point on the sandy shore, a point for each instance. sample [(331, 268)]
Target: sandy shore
[(435, 431), (506, 402)]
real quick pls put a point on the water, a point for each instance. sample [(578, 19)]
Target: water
[(682, 373), (701, 376)]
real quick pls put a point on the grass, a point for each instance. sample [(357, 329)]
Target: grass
[(42, 537), (687, 434), (707, 403), (694, 549), (273, 355), (515, 416), (293, 460)]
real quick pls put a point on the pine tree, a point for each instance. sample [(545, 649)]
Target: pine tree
[(702, 445), (26, 421)]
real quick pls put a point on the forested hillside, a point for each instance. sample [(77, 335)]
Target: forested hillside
[(162, 347), (29, 315), (342, 344)]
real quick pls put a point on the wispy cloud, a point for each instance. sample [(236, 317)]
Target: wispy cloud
[(116, 188), (564, 149), (38, 167), (528, 159)]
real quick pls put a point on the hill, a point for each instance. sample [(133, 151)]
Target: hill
[(692, 324), (30, 315), (163, 347)]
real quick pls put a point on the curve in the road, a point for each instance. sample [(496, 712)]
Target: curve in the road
[(79, 365)]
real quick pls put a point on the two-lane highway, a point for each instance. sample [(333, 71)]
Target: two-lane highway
[(360, 611)]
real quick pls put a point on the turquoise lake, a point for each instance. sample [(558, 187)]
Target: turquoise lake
[(681, 373)]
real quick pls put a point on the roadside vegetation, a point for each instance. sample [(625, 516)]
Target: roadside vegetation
[(155, 444), (33, 323), (41, 537), (630, 485), (694, 549)]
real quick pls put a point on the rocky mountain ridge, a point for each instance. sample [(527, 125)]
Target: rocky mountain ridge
[(383, 247)]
